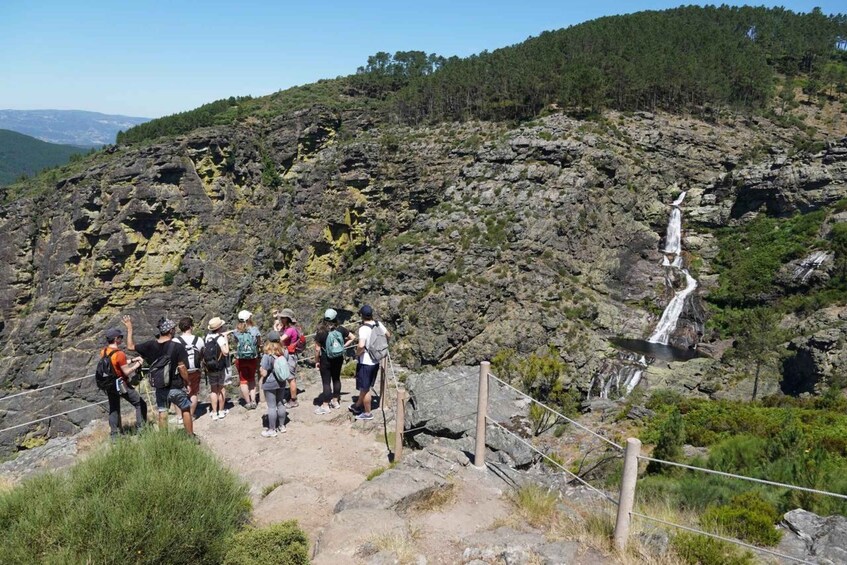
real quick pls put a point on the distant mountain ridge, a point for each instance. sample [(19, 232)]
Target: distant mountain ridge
[(24, 155), (71, 127)]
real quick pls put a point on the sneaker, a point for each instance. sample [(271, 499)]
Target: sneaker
[(215, 416), (365, 416), (334, 404), (269, 433), (354, 409), (320, 410), (281, 429), (292, 404), (222, 415), (250, 406)]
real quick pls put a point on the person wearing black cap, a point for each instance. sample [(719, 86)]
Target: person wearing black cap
[(171, 387), (367, 369), (124, 369)]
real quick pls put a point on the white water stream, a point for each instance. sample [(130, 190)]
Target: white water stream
[(673, 247)]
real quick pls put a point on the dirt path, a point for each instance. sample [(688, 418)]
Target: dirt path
[(302, 473)]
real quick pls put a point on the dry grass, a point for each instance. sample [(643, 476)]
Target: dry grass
[(403, 546), (590, 527), (436, 499), (6, 484)]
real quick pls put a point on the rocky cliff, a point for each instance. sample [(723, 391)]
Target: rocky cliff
[(468, 238)]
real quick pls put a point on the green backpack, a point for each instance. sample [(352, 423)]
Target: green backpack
[(247, 347), (334, 345)]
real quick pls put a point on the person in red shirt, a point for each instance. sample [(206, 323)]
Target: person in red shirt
[(124, 369)]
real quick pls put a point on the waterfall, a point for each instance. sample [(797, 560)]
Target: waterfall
[(673, 246), (619, 378), (809, 265)]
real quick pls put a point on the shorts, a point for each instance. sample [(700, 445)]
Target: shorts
[(165, 396), (193, 382), (292, 365), (247, 370), (216, 379), (366, 376)]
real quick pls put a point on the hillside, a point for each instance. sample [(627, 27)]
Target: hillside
[(71, 127), (24, 155), (475, 238)]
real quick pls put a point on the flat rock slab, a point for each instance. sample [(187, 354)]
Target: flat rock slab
[(397, 490)]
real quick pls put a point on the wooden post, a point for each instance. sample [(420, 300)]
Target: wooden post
[(399, 425), (481, 411), (627, 494)]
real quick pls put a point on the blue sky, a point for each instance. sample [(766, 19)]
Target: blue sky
[(152, 58)]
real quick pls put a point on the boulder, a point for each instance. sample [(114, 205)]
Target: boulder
[(824, 538)]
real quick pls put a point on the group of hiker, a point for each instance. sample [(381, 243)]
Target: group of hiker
[(266, 366)]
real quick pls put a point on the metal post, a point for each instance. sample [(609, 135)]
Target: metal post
[(627, 494), (399, 425), (481, 411)]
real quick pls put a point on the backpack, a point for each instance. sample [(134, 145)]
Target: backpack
[(104, 374), (281, 370), (246, 347), (194, 357), (334, 346), (377, 344), (213, 357), (298, 344), (160, 369)]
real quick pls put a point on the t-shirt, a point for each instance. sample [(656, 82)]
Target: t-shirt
[(364, 334), (293, 335), (152, 350), (118, 360), (267, 363), (320, 339)]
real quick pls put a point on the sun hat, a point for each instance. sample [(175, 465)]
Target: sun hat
[(113, 333), (330, 314), (165, 325), (273, 335), (215, 324), (367, 311), (244, 315), (288, 313)]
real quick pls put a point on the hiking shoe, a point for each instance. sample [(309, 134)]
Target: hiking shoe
[(250, 406), (334, 404), (320, 410), (292, 404), (269, 433), (365, 416), (354, 409)]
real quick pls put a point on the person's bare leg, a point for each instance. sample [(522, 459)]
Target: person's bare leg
[(188, 422), (292, 388)]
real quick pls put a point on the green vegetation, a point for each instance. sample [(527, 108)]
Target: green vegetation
[(702, 550), (22, 155), (144, 501), (280, 544)]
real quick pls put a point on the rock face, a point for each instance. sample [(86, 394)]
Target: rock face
[(814, 538), (468, 238)]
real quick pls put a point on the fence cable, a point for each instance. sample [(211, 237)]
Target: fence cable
[(722, 538), (553, 461), (53, 416), (440, 420), (742, 477), (30, 391), (559, 414)]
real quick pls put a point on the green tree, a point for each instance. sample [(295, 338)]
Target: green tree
[(758, 338)]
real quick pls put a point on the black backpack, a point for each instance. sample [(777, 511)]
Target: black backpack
[(213, 357), (104, 374), (160, 369)]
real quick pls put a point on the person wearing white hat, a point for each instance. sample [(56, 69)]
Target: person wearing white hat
[(331, 341), (248, 345)]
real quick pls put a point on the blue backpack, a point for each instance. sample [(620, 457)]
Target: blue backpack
[(334, 345)]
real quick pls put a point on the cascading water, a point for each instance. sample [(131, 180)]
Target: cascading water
[(618, 378), (673, 246)]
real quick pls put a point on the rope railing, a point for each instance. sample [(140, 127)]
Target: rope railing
[(742, 477), (52, 416), (553, 461), (30, 391), (559, 414), (722, 538)]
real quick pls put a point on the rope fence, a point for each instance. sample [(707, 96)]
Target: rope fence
[(52, 416), (40, 388)]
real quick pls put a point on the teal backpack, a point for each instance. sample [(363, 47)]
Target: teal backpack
[(334, 345), (246, 348)]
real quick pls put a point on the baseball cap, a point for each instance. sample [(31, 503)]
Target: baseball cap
[(244, 315), (330, 314), (367, 311), (113, 333)]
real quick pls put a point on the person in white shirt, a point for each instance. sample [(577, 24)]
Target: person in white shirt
[(367, 369)]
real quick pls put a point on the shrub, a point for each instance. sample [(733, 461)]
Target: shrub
[(748, 517), (669, 444), (702, 550), (536, 504), (282, 544), (144, 501)]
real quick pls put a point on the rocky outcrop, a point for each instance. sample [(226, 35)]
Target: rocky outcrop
[(469, 238), (813, 538)]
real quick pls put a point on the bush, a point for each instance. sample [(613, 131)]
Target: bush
[(748, 517), (144, 501), (702, 550), (669, 444), (280, 544)]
